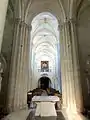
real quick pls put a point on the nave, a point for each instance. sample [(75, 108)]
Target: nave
[(45, 51)]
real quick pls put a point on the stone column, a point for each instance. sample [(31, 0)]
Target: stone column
[(63, 71), (30, 59), (76, 66), (71, 88), (68, 91), (71, 103), (3, 10), (17, 89), (26, 70)]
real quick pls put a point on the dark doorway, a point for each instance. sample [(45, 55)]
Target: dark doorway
[(44, 83)]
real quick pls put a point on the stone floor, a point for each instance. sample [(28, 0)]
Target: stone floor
[(19, 115), (30, 115)]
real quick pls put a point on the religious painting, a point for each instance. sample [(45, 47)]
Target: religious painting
[(44, 66)]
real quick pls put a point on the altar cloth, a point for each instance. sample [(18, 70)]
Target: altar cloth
[(45, 105)]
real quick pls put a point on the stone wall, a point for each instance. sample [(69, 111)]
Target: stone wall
[(6, 51), (84, 46)]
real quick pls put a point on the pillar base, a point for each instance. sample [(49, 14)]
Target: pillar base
[(73, 116), (17, 108)]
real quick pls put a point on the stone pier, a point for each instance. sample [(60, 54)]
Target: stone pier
[(71, 88), (18, 79)]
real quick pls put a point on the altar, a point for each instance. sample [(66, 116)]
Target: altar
[(45, 105)]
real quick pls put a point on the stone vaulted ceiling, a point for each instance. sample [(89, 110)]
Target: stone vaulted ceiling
[(26, 10), (62, 9), (44, 36)]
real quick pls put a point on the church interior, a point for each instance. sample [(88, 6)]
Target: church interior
[(45, 60)]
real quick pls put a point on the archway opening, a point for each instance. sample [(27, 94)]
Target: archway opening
[(44, 83)]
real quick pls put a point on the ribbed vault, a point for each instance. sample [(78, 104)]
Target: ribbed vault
[(44, 34), (45, 41)]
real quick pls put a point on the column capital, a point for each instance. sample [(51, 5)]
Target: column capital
[(17, 20), (59, 27), (30, 27), (67, 22), (22, 23), (72, 21), (63, 24)]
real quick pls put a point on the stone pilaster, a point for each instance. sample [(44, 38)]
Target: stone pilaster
[(17, 89)]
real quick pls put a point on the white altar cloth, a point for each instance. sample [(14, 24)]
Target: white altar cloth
[(45, 99), (45, 105)]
